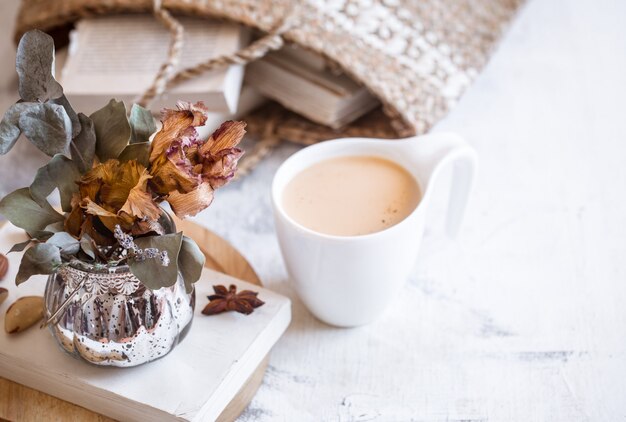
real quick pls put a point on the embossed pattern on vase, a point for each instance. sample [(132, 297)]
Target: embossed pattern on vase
[(113, 319)]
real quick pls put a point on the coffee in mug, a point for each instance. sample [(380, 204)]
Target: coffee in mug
[(351, 195)]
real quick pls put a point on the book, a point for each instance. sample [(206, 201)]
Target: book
[(301, 82), (119, 56), (194, 382), (249, 99)]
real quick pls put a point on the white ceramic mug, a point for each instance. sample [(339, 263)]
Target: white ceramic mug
[(349, 280)]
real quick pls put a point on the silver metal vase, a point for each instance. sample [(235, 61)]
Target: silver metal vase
[(107, 317)]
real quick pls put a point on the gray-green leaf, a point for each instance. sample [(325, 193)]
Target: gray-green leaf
[(43, 258), (142, 124), (87, 246), (112, 130), (83, 147), (19, 247), (35, 67), (9, 127), (48, 231), (150, 271), (61, 173), (65, 242), (190, 262), (64, 102), (21, 209), (139, 151), (47, 126)]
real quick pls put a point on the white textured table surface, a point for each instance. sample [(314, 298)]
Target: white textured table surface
[(523, 317)]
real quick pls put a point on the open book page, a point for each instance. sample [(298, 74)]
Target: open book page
[(119, 56)]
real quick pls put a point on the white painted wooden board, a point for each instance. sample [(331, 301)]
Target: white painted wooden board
[(523, 317), (194, 382)]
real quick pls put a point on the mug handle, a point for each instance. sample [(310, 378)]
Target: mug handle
[(442, 150), (464, 161)]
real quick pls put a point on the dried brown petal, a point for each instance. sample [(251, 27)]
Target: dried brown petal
[(189, 204), (220, 171), (4, 266), (168, 176), (175, 123), (139, 202), (227, 136), (113, 193)]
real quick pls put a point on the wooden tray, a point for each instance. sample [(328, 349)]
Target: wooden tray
[(20, 403)]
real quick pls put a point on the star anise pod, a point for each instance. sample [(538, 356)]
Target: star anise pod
[(229, 300)]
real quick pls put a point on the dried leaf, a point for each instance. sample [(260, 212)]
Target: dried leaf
[(21, 209), (43, 258), (61, 173), (83, 147), (141, 123), (150, 271), (112, 130), (190, 262), (64, 102), (65, 242), (48, 231), (138, 151), (47, 126), (35, 67), (19, 247), (9, 127), (108, 218), (87, 246)]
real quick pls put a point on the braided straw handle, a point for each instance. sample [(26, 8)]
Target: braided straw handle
[(166, 78)]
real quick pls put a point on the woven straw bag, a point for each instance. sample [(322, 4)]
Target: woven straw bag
[(416, 56)]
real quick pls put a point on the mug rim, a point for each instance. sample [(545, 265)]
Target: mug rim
[(278, 207)]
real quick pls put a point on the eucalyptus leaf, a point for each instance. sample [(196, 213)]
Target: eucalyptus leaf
[(141, 123), (61, 173), (67, 243), (83, 147), (47, 126), (150, 271), (9, 126), (64, 102), (87, 246), (138, 151), (190, 262), (19, 247), (35, 67), (112, 130), (43, 258), (21, 209), (59, 226)]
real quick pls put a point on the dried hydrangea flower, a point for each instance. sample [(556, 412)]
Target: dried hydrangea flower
[(185, 169)]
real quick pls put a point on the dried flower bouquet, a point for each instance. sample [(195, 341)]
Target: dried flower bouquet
[(111, 178)]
